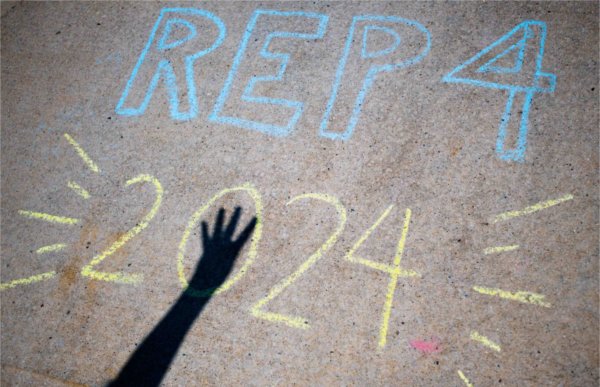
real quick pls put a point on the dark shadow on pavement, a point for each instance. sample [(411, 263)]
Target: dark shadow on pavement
[(149, 363)]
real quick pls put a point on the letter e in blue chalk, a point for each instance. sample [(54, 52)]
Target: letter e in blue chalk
[(176, 31), (375, 44), (283, 114)]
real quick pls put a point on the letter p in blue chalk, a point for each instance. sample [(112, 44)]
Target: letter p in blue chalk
[(512, 63), (378, 49), (176, 31)]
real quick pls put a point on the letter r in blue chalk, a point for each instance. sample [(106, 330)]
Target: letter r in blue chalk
[(512, 63), (173, 41), (299, 25), (382, 49)]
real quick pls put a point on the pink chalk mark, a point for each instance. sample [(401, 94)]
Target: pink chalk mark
[(426, 346)]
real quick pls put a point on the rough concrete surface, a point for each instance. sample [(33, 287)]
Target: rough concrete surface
[(421, 142)]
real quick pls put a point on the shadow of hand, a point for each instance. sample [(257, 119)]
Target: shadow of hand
[(220, 252), (149, 363)]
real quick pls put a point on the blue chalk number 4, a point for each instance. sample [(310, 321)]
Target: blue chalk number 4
[(512, 63)]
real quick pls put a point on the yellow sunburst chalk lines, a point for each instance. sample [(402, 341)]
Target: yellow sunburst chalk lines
[(533, 208), (521, 296), (28, 280), (48, 218), (485, 341), (84, 156), (50, 248), (464, 379), (500, 249), (54, 219), (79, 190)]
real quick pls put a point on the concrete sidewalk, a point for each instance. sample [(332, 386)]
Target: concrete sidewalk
[(424, 176)]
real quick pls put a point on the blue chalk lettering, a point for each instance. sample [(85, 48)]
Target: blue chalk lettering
[(366, 54), (283, 58), (373, 70), (162, 43), (490, 67), (164, 68)]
